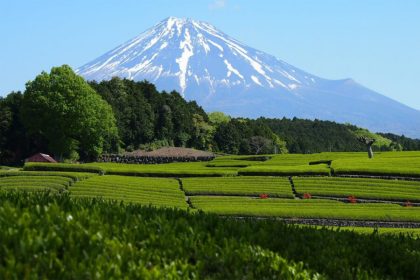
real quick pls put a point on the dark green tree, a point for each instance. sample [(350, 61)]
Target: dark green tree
[(69, 114), (148, 118), (132, 111), (15, 144), (5, 125)]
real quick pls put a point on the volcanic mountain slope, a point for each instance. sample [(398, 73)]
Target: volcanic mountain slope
[(222, 74)]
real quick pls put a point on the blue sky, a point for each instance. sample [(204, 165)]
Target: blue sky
[(375, 42)]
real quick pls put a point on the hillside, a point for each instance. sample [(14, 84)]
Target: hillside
[(148, 119)]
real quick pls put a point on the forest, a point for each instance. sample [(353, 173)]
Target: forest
[(74, 120)]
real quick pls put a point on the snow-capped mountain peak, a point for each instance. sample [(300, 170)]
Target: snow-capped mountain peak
[(222, 74), (205, 58)]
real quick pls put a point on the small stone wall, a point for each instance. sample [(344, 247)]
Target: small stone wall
[(150, 159)]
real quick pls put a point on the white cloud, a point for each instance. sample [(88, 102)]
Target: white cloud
[(217, 4)]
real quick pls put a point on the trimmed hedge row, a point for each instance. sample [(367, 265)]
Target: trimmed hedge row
[(35, 183), (297, 170), (304, 208), (156, 191), (395, 190), (75, 176), (38, 166), (240, 186)]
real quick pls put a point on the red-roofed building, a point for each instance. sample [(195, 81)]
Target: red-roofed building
[(39, 157)]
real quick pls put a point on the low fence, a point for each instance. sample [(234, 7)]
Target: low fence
[(151, 159)]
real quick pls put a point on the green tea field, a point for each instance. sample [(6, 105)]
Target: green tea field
[(336, 194), (344, 186)]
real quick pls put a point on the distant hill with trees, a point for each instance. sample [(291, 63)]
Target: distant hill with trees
[(61, 114)]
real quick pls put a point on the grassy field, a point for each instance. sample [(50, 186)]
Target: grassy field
[(359, 187)]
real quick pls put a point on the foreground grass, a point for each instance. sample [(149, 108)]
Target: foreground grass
[(57, 237)]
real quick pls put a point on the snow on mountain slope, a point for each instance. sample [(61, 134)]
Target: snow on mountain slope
[(220, 73), (194, 52)]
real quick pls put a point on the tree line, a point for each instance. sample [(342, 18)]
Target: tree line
[(62, 114)]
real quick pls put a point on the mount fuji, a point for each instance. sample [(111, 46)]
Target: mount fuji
[(222, 74)]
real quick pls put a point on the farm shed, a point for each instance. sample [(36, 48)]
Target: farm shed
[(40, 157)]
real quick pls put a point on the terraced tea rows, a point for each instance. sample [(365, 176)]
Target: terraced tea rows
[(35, 183), (271, 170), (359, 187), (154, 191), (40, 166), (311, 208), (249, 176), (306, 159), (237, 161), (187, 169), (183, 169), (241, 186), (403, 164), (399, 166), (75, 176)]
